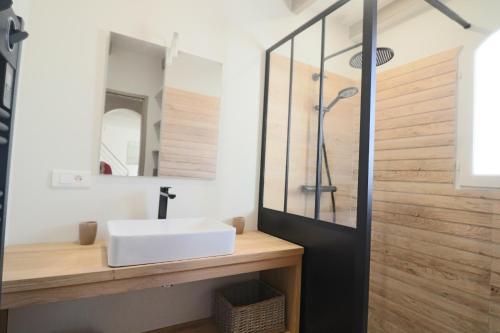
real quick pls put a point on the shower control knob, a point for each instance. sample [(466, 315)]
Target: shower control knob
[(17, 36)]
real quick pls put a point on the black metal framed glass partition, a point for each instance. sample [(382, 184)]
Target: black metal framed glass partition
[(312, 155), (317, 159)]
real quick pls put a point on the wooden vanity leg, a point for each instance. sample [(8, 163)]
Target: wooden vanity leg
[(4, 319), (288, 281)]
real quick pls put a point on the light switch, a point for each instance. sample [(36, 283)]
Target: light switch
[(70, 179)]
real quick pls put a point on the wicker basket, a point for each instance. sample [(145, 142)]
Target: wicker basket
[(250, 307)]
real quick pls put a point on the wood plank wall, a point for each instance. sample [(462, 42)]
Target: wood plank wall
[(189, 135), (435, 249)]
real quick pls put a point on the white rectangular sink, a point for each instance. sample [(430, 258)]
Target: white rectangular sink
[(137, 242)]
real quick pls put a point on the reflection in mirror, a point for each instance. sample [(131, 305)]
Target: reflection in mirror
[(121, 142), (190, 118), (130, 139), (160, 118)]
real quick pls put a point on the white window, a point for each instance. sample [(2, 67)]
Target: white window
[(486, 146), (480, 166)]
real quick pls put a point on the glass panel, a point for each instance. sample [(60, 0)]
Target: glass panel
[(304, 122), (277, 124), (341, 105)]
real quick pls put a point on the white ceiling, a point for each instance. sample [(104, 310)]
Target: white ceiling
[(136, 45), (297, 6), (260, 17), (348, 14), (251, 11)]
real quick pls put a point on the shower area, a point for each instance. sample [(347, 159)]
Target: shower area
[(370, 110)]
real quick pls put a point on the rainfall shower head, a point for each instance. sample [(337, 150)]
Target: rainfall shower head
[(344, 93), (384, 55)]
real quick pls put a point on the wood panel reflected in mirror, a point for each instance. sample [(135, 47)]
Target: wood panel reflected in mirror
[(159, 119)]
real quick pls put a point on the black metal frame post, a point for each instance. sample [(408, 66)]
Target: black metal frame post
[(335, 282), (366, 158), (319, 142), (289, 125)]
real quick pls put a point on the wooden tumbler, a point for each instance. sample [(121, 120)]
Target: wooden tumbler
[(87, 232), (239, 224)]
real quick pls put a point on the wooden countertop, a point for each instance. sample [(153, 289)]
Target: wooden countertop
[(34, 267)]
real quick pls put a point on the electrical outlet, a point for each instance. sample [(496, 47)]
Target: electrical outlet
[(70, 179)]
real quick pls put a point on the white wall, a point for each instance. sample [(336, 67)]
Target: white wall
[(60, 107), (431, 32), (58, 124)]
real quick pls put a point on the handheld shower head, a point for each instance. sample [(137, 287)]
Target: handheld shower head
[(344, 93), (384, 55), (348, 92)]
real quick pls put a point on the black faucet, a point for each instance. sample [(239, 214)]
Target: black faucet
[(163, 206)]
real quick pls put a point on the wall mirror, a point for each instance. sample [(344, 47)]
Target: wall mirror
[(161, 112)]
